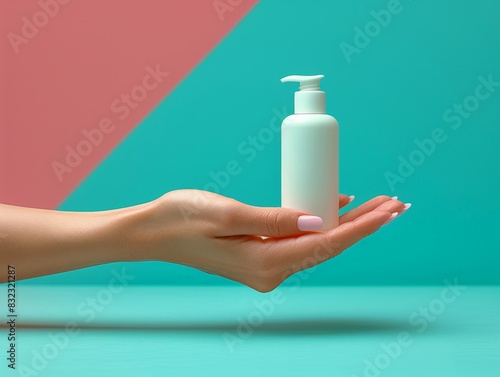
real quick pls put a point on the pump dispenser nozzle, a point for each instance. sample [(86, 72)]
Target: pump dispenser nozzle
[(306, 82), (309, 99)]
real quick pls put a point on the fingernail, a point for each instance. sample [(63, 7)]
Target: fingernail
[(351, 198), (393, 216), (306, 222), (407, 207), (394, 198)]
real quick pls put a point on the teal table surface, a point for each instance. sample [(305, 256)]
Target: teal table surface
[(125, 330)]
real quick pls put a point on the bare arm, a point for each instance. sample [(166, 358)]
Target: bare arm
[(41, 242)]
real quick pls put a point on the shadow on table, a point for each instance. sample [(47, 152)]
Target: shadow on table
[(306, 326)]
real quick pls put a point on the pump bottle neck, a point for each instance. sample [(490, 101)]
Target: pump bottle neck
[(310, 102)]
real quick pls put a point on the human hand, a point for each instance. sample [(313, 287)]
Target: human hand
[(256, 246)]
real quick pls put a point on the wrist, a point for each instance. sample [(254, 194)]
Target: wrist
[(134, 233)]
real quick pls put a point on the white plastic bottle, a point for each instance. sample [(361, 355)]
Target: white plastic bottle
[(309, 154)]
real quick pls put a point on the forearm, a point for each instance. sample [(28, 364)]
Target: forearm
[(41, 242)]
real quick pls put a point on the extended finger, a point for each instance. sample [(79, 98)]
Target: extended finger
[(311, 249), (345, 200), (363, 208)]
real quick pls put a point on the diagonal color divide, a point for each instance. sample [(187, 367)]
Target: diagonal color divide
[(79, 76)]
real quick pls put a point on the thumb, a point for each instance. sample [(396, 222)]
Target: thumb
[(274, 222)]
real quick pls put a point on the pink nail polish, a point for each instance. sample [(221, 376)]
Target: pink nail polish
[(393, 216), (306, 223)]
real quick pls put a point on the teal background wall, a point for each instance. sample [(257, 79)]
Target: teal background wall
[(397, 91)]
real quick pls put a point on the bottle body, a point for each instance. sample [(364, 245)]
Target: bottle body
[(309, 166)]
